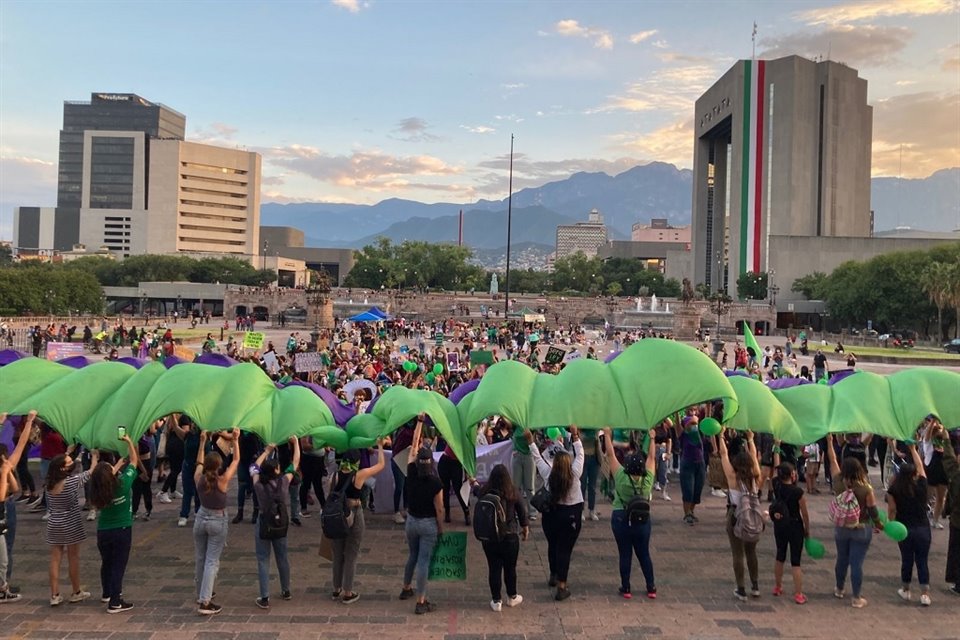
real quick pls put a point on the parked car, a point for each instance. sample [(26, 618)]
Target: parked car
[(953, 346)]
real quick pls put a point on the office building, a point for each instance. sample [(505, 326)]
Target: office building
[(659, 230), (582, 237)]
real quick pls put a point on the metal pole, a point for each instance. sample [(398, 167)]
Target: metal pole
[(506, 288)]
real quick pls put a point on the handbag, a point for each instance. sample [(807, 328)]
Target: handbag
[(542, 501)]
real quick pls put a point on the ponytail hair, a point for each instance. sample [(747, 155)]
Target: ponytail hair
[(211, 468)]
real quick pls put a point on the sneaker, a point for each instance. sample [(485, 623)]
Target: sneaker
[(237, 519), (135, 516), (350, 599), (164, 498), (335, 595), (665, 496), (119, 608), (625, 593), (209, 609), (7, 596), (657, 487), (838, 594), (296, 521), (306, 514), (286, 595), (532, 517), (594, 516), (718, 493), (514, 601), (79, 596), (937, 524), (778, 591), (955, 589), (652, 593), (905, 594), (688, 519), (104, 599), (34, 502), (55, 600), (925, 599), (398, 518), (740, 594), (182, 522), (859, 603), (424, 607), (799, 598), (146, 517), (496, 605), (263, 603), (755, 591), (23, 498), (562, 594), (406, 594), (178, 495)]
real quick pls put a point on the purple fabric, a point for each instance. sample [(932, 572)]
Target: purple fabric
[(612, 356), (77, 362), (136, 363), (6, 433), (172, 361), (736, 372), (216, 359), (373, 403), (786, 383), (843, 374), (10, 355), (691, 451), (341, 412), (461, 392)]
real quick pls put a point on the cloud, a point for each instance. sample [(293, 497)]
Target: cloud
[(670, 143), (414, 130), (640, 36), (671, 89), (511, 117), (572, 29), (353, 6), (925, 124), (477, 129), (673, 56), (513, 86), (952, 62), (368, 169), (272, 180), (905, 83), (26, 181), (871, 9), (861, 46), (660, 44), (217, 133)]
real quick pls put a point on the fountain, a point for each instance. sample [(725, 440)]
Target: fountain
[(654, 315), (639, 304), (653, 303)]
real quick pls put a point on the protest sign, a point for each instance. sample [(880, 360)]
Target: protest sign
[(253, 340), (304, 362), (61, 350), (449, 559), (554, 355), (453, 361), (573, 355), (271, 362), (480, 356)]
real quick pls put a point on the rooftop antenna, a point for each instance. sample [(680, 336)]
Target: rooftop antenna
[(753, 40)]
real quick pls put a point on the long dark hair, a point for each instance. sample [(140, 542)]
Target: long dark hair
[(744, 469), (56, 472), (561, 476), (905, 482), (103, 485), (500, 483), (211, 468), (853, 473), (269, 471)]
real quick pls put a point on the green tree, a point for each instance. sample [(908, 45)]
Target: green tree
[(6, 255), (935, 280), (752, 285), (614, 289), (810, 286)]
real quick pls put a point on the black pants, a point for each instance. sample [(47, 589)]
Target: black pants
[(142, 489), (175, 458), (312, 468), (502, 565), (953, 554), (24, 476), (789, 534), (114, 546), (561, 526), (451, 478)]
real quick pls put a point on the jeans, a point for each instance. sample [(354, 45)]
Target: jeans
[(10, 536), (914, 550), (142, 489), (421, 538), (346, 552), (398, 482), (522, 467), (692, 476), (294, 493), (4, 559), (209, 538), (632, 540), (114, 546), (502, 565), (451, 479), (661, 466), (312, 468), (27, 484), (742, 551), (561, 526), (263, 547), (588, 481), (189, 492), (852, 545)]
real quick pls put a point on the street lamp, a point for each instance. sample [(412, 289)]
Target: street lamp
[(318, 294), (143, 304)]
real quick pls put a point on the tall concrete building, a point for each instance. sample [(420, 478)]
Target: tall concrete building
[(128, 181), (584, 237), (659, 230), (782, 148)]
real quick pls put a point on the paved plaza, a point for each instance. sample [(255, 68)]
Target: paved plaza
[(693, 568)]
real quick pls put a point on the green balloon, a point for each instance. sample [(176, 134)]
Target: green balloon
[(409, 366), (895, 530), (431, 378), (710, 427), (553, 433), (815, 548), (882, 516), (437, 369)]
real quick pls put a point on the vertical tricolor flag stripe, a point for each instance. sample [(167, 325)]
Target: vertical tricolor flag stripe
[(751, 189)]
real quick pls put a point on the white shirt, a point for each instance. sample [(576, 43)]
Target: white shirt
[(574, 495)]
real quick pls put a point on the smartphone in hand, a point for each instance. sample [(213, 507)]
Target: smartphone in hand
[(121, 432)]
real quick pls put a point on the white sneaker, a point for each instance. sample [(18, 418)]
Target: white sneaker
[(496, 605), (666, 497), (905, 594), (925, 599), (177, 495), (91, 515), (515, 600), (937, 524), (718, 493), (79, 596), (165, 498), (56, 600), (657, 487), (398, 518), (182, 522), (594, 516)]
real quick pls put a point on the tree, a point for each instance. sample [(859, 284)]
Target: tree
[(935, 280), (6, 255), (752, 285), (614, 289), (810, 286)]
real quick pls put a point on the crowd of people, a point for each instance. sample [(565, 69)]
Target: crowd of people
[(555, 477)]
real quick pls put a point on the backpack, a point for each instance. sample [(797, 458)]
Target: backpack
[(274, 519), (845, 509), (748, 523), (637, 509), (336, 517), (778, 510), (489, 518)]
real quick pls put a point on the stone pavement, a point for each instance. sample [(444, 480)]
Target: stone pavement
[(693, 568)]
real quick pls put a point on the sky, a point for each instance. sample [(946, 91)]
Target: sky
[(363, 100)]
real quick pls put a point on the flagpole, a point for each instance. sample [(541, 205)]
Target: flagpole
[(506, 287)]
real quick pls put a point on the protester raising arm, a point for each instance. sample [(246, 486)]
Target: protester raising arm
[(608, 451), (832, 457), (14, 457)]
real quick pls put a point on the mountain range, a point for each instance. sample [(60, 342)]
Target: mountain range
[(655, 190)]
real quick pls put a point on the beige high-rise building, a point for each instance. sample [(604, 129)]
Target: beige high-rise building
[(659, 230), (582, 237)]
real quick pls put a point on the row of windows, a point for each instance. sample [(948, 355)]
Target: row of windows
[(227, 243), (207, 216), (198, 178), (107, 232), (200, 227), (210, 192), (214, 205), (210, 167)]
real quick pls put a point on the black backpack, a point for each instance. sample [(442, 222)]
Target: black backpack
[(336, 518), (778, 509), (489, 518), (637, 508), (274, 519)]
